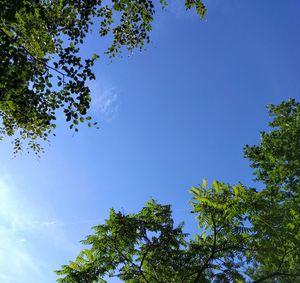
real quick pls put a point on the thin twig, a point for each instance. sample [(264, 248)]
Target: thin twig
[(274, 274), (204, 266), (31, 55)]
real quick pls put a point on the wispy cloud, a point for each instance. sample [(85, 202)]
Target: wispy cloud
[(104, 100), (15, 258), (25, 237), (52, 223)]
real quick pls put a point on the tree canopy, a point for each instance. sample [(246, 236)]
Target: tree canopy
[(245, 234), (41, 70)]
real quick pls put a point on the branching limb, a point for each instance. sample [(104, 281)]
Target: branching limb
[(204, 266), (276, 274)]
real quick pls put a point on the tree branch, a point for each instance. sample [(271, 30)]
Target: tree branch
[(133, 264), (145, 255), (204, 266), (31, 55), (278, 273), (274, 274)]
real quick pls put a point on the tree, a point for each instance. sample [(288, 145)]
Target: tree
[(276, 222), (41, 68), (246, 235)]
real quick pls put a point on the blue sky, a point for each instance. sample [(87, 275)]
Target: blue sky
[(169, 117)]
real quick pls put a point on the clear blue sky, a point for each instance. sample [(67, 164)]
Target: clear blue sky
[(170, 116)]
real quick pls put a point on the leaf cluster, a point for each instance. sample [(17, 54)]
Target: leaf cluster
[(41, 67)]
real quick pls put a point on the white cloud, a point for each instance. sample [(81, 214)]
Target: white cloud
[(26, 238), (104, 100), (15, 258), (52, 223)]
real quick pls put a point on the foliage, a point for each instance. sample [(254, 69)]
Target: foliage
[(41, 68), (246, 235), (277, 221), (277, 158)]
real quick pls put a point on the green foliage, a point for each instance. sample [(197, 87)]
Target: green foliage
[(143, 247), (277, 217), (41, 70), (277, 158), (245, 235)]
